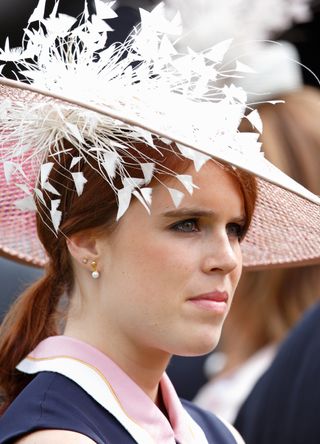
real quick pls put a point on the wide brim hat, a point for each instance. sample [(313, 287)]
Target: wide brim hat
[(137, 91)]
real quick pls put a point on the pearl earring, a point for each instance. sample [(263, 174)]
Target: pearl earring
[(85, 260), (95, 274)]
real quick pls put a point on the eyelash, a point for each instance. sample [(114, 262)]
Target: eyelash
[(176, 226), (239, 232), (233, 229)]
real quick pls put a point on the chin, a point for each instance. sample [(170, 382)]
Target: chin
[(200, 343)]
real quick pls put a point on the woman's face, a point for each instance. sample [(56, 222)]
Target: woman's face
[(168, 278)]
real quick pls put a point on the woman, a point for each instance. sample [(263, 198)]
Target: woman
[(161, 276), (142, 253)]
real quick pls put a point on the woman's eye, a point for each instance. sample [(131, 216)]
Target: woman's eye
[(236, 230), (186, 226)]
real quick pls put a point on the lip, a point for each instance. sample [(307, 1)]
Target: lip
[(215, 301)]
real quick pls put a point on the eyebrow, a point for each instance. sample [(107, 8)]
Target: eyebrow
[(189, 212)]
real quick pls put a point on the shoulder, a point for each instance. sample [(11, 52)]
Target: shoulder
[(54, 436), (291, 380), (52, 404), (215, 428), (303, 335), (296, 359)]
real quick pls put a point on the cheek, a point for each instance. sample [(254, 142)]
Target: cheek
[(157, 269), (163, 255)]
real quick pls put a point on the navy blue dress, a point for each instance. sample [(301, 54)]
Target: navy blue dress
[(52, 401), (283, 407)]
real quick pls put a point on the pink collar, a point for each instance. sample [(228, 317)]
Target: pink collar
[(135, 404)]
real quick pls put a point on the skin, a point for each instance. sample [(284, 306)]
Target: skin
[(151, 266), (54, 437)]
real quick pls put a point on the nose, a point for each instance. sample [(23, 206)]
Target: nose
[(222, 254)]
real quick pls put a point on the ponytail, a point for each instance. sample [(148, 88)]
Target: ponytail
[(31, 319)]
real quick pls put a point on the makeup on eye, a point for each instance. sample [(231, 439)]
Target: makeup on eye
[(186, 226), (237, 230)]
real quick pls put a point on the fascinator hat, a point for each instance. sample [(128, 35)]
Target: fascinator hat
[(104, 100)]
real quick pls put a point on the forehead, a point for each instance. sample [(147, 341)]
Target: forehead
[(217, 188)]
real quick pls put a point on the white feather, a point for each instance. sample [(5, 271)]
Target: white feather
[(11, 54), (38, 12), (132, 182), (25, 204), (141, 199), (110, 163), (24, 188), (56, 219), (45, 170), (79, 181), (199, 160), (100, 24), (255, 119), (75, 161), (147, 195), (124, 198), (48, 187), (55, 214), (242, 67), (217, 53), (58, 27), (187, 182), (176, 196), (40, 196), (147, 169), (104, 10), (9, 168)]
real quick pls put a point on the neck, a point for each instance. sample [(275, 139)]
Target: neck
[(144, 366)]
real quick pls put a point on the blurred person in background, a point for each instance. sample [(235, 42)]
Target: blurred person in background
[(283, 406), (14, 278)]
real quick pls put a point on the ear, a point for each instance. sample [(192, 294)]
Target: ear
[(82, 246)]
